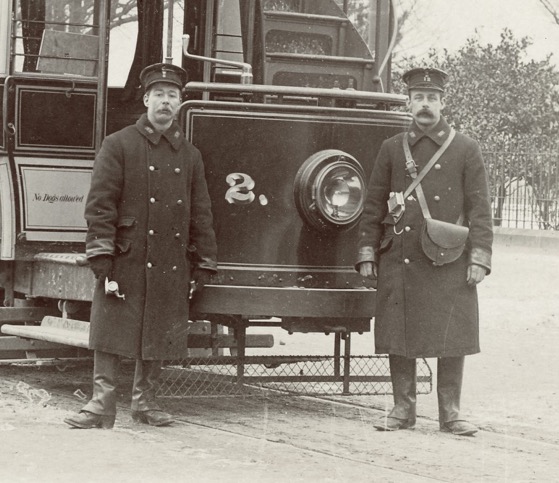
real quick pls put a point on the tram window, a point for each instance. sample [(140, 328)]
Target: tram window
[(123, 38), (56, 37), (140, 36)]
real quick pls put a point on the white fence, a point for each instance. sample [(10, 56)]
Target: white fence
[(524, 189)]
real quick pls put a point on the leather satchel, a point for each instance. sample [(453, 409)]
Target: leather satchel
[(443, 242)]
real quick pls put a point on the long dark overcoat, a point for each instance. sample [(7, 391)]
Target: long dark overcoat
[(149, 207), (425, 310)]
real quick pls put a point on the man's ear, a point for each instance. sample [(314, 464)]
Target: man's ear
[(443, 102), (146, 98)]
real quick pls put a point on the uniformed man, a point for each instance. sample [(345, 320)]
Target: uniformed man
[(150, 230), (423, 309)]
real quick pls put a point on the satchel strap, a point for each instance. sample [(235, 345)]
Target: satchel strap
[(412, 170)]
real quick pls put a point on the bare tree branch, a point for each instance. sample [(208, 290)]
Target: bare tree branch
[(552, 9)]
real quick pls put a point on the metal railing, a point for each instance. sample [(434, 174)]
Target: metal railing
[(524, 188)]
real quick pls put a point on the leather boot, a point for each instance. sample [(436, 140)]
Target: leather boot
[(87, 420), (403, 376), (450, 371), (144, 407), (100, 411)]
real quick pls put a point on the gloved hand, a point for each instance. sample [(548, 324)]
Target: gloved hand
[(101, 265), (200, 277), (368, 270), (475, 275)]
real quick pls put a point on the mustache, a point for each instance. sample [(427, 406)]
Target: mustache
[(427, 112)]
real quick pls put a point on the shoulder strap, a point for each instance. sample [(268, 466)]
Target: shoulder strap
[(412, 167), (417, 178)]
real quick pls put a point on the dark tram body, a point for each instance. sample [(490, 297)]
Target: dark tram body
[(285, 101)]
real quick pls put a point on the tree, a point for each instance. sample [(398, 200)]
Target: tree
[(497, 95)]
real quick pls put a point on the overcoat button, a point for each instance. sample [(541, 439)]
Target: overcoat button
[(177, 170), (177, 235), (152, 200), (151, 232), (152, 168), (437, 198), (150, 265), (179, 202), (174, 269), (437, 166), (407, 228), (406, 261)]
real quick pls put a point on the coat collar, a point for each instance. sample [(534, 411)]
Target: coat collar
[(439, 133), (173, 134)]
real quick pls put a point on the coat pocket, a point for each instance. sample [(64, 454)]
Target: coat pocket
[(122, 245), (124, 226), (126, 222)]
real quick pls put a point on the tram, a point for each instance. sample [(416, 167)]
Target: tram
[(288, 106)]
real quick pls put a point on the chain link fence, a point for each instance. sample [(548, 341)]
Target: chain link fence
[(296, 375), (524, 189)]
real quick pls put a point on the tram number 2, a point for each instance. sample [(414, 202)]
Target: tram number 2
[(240, 191)]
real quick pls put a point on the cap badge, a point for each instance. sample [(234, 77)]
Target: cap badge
[(427, 78), (164, 72)]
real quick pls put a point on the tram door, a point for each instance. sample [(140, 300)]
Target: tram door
[(62, 92)]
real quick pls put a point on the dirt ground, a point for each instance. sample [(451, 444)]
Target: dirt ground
[(510, 390)]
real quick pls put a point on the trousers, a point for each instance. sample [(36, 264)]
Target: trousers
[(450, 371), (105, 373)]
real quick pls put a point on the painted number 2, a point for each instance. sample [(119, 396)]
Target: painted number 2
[(241, 189)]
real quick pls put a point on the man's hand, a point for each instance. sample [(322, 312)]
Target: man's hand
[(368, 270), (101, 265), (476, 274), (200, 277)]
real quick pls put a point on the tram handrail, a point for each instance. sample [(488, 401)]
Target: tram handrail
[(7, 127), (246, 74), (345, 94)]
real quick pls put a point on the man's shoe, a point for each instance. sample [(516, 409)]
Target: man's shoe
[(460, 428), (394, 424), (153, 417), (87, 420)]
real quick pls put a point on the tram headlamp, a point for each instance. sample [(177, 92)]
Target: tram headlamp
[(330, 190)]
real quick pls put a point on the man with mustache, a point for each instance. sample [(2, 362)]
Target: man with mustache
[(424, 308), (149, 229)]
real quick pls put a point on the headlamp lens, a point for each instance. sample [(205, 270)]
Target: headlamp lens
[(330, 190)]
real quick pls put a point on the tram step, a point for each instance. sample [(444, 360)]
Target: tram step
[(76, 333), (54, 329)]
